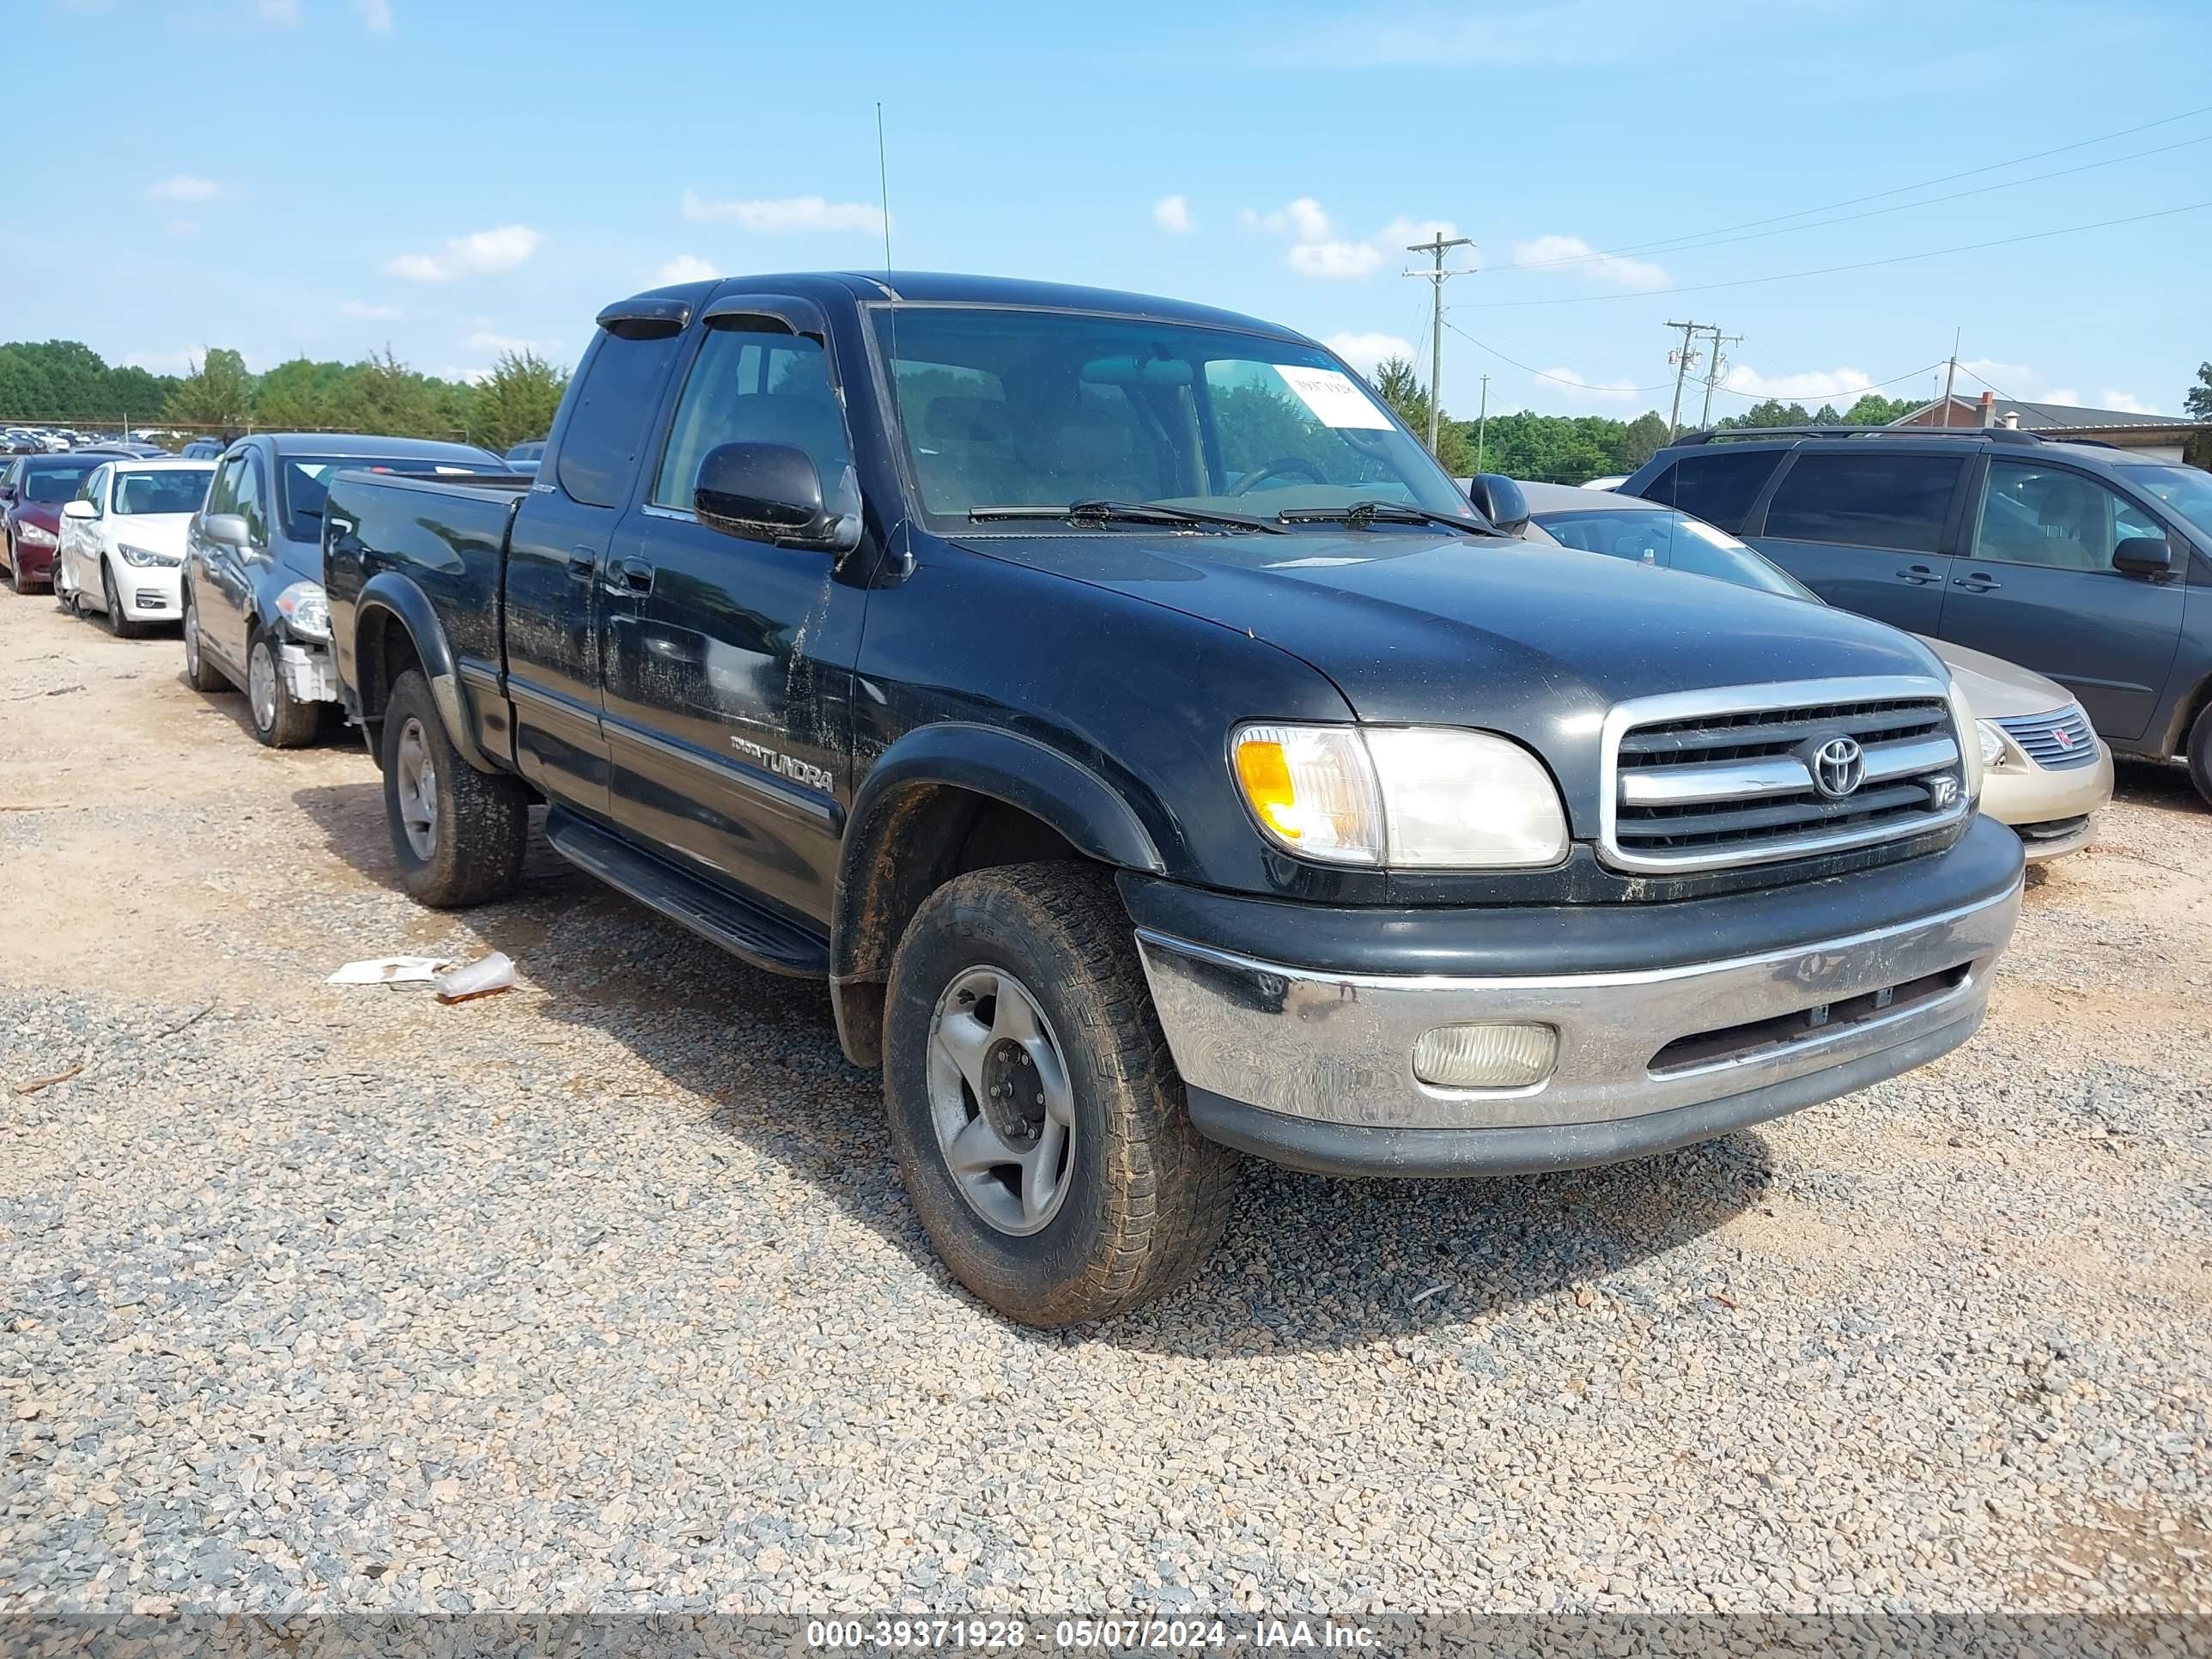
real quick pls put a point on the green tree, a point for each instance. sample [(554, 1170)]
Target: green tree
[(2197, 401), (301, 396), (1640, 439), (381, 394), (517, 400), (216, 396)]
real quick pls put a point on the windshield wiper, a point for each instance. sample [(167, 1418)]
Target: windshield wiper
[(1360, 515), (1126, 512)]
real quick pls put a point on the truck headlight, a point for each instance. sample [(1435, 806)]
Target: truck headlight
[(32, 535), (1405, 797), (146, 558), (1968, 730), (306, 610)]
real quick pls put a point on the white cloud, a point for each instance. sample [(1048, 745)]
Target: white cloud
[(1364, 350), (375, 15), (1334, 259), (1571, 253), (2126, 402), (1813, 386), (285, 13), (1173, 213), (362, 312), (683, 268), (1578, 389), (487, 340), (182, 188), (1404, 233), (790, 214), (2058, 394), (482, 253), (1303, 218)]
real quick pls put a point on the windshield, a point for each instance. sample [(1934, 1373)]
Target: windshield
[(1675, 541), (306, 483), (180, 491), (1044, 409), (2187, 490), (53, 483)]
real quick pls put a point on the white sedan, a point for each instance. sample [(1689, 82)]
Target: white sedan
[(122, 549)]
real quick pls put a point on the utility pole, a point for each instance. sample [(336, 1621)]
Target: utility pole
[(1713, 367), (1436, 248), (1482, 423), (1950, 372), (1683, 359)]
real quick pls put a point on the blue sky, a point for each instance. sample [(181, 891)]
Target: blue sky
[(452, 176)]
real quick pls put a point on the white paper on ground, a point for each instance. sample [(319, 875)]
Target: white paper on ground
[(389, 970), (1333, 396)]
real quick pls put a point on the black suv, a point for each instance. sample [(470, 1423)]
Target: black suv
[(2069, 556)]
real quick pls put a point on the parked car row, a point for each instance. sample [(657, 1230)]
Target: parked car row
[(1155, 754)]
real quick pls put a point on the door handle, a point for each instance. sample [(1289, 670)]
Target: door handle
[(630, 576), (582, 562), (1977, 583), (1919, 576)]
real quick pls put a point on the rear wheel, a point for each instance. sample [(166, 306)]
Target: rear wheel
[(458, 832), (199, 673), (118, 620), (1039, 1124), (280, 719), (2200, 754)]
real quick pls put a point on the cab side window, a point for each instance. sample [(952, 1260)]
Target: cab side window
[(2048, 516), (755, 387), (222, 493), (599, 444)]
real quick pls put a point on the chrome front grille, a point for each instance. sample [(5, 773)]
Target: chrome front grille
[(2059, 741), (1750, 775)]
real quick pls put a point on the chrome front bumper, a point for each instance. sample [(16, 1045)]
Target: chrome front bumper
[(1282, 1051)]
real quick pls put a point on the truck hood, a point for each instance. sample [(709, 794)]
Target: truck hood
[(1446, 628)]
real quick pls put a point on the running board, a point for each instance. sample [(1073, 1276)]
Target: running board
[(744, 930)]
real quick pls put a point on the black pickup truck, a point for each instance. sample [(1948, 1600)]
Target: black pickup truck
[(1156, 755)]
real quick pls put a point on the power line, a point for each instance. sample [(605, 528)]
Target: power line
[(1852, 218), (1437, 246), (1830, 271), (1666, 244)]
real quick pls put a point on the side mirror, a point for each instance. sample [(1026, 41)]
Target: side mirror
[(228, 528), (769, 492), (2143, 556), (1499, 500), (78, 507)]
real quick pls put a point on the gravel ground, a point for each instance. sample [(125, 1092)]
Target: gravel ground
[(603, 1293)]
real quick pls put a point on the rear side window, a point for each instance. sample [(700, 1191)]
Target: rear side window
[(607, 427), (1718, 486), (1864, 499)]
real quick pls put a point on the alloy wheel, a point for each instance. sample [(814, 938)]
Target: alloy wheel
[(415, 774), (1000, 1100), (261, 685)]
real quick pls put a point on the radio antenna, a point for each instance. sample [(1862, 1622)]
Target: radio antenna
[(883, 189)]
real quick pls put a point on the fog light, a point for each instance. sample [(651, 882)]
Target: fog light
[(1487, 1057)]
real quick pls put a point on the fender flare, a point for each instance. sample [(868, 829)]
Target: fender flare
[(1092, 814), (387, 594)]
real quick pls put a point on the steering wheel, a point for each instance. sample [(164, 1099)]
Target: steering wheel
[(1276, 468)]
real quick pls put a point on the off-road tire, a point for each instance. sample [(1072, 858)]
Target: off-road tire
[(1148, 1197), (2200, 754), (118, 621), (291, 722), (200, 674), (482, 819)]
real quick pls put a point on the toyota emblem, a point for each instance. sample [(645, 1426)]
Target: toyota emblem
[(1838, 768)]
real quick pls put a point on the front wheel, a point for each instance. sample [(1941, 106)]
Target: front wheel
[(280, 719), (16, 579), (1038, 1121), (118, 620), (459, 833), (201, 674)]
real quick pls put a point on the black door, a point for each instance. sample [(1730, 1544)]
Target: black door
[(2036, 586), (1867, 527), (557, 557), (728, 660)]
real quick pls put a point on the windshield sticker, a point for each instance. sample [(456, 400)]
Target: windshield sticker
[(1334, 397)]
